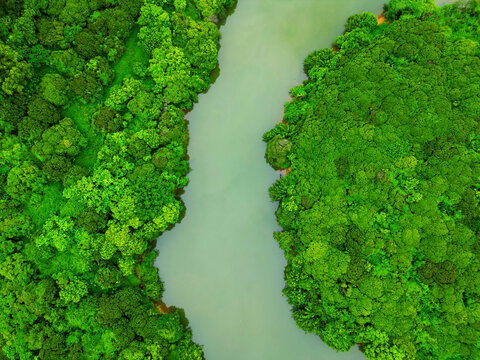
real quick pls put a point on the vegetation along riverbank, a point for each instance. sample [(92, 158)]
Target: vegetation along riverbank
[(93, 150), (380, 211)]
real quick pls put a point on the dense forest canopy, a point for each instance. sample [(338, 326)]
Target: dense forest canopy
[(380, 208), (93, 153)]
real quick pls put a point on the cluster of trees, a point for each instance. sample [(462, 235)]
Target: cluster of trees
[(380, 210), (92, 155)]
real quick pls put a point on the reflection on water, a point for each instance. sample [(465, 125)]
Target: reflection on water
[(221, 263)]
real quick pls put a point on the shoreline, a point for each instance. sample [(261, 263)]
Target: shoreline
[(380, 20)]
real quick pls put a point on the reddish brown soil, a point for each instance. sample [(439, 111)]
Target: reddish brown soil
[(381, 19)]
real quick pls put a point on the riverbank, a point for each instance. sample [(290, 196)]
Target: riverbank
[(380, 20), (220, 263)]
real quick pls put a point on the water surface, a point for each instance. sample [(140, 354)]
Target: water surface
[(221, 263)]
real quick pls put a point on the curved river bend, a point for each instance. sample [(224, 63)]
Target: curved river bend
[(221, 263)]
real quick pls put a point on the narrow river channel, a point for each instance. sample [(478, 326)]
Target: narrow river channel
[(221, 263)]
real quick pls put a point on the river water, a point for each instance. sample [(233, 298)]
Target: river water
[(221, 263)]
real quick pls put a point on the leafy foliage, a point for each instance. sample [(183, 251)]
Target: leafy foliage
[(380, 210), (92, 153)]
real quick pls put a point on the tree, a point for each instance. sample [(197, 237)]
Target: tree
[(71, 290), (108, 277), (416, 8), (319, 58), (75, 11), (61, 139), (365, 21), (171, 72), (43, 112), (88, 44), (56, 167), (155, 27), (277, 152), (25, 182), (57, 232), (107, 120), (54, 89), (14, 73)]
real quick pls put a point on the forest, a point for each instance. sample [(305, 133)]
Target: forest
[(380, 206), (93, 141)]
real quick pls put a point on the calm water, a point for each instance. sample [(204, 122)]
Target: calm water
[(221, 263)]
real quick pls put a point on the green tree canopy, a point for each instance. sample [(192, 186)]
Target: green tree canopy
[(380, 211), (93, 144)]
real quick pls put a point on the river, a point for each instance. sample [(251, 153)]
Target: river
[(221, 263)]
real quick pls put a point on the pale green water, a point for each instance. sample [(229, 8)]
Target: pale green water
[(221, 263)]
